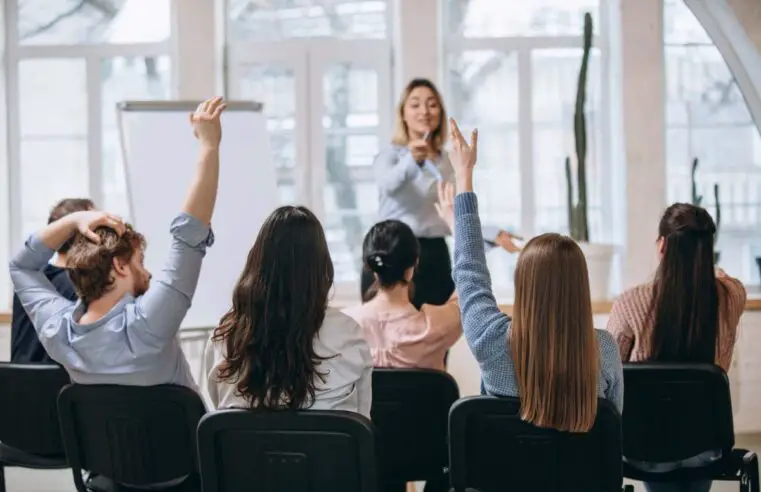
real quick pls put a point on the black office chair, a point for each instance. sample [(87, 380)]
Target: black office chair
[(410, 413), (491, 450), (29, 432), (131, 435), (677, 411), (297, 451)]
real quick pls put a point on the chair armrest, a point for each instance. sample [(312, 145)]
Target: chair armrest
[(749, 458)]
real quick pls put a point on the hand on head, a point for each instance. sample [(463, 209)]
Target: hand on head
[(205, 121), (88, 221)]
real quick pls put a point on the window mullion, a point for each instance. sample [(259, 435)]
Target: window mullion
[(526, 143)]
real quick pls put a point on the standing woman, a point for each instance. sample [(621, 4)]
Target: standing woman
[(406, 173)]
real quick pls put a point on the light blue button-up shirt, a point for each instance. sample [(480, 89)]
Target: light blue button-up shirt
[(136, 343), (407, 191)]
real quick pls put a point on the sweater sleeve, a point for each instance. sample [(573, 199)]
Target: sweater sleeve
[(731, 311), (612, 369), (622, 332), (484, 325)]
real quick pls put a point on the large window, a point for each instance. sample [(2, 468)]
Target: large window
[(511, 70), (322, 69), (708, 119), (69, 63)]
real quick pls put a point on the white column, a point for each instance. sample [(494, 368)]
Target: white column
[(196, 56), (416, 41), (5, 217), (644, 125)]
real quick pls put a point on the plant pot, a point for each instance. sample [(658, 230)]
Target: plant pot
[(599, 264)]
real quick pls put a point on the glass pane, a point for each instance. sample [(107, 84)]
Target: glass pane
[(707, 118), (53, 97), (275, 86), (84, 22), (482, 91), (554, 82), (123, 78), (350, 121), (66, 159), (53, 124), (286, 19), (680, 26), (497, 18)]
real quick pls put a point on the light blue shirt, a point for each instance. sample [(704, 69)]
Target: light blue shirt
[(407, 191), (136, 343)]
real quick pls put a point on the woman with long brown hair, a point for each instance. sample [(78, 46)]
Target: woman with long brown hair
[(549, 353), (688, 313), (280, 346), (406, 173)]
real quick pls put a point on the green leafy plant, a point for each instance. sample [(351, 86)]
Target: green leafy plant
[(578, 221)]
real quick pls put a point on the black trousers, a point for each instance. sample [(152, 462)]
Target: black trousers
[(433, 282)]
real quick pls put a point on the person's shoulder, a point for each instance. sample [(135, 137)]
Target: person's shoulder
[(59, 277), (340, 322), (606, 343), (356, 312)]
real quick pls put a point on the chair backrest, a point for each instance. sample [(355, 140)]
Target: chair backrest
[(297, 451), (131, 434), (492, 449), (28, 407), (410, 413), (675, 411)]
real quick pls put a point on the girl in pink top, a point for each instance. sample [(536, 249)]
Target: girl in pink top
[(398, 334)]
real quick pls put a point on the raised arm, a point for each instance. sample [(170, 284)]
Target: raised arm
[(484, 325), (37, 294), (164, 305)]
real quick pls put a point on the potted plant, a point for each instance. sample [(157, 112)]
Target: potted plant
[(697, 200), (599, 256)]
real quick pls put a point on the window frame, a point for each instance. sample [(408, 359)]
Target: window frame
[(524, 46), (92, 54), (308, 58)]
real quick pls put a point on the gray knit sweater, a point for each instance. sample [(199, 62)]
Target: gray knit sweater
[(487, 329)]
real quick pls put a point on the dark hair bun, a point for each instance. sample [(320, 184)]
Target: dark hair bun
[(377, 262)]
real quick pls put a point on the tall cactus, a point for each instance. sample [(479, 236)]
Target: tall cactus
[(697, 200), (577, 212)]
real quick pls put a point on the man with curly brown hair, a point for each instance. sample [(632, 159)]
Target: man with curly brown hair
[(123, 329), (25, 345)]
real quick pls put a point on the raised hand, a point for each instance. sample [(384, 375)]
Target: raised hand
[(445, 205), (87, 222), (205, 121), (463, 156), (507, 242)]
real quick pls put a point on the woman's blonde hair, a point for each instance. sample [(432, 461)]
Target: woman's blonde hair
[(401, 132), (553, 343)]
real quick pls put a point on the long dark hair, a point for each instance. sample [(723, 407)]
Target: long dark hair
[(278, 308), (685, 305), (390, 249)]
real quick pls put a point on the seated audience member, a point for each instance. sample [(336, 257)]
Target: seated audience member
[(25, 345), (280, 346), (399, 334), (549, 353), (122, 330), (688, 313)]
